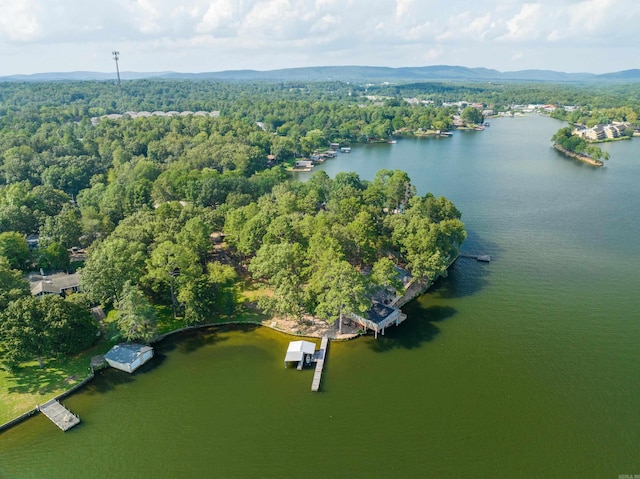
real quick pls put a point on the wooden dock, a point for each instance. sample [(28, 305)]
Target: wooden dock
[(319, 358), (59, 415), (479, 257)]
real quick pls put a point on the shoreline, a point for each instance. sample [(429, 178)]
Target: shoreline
[(578, 156), (313, 328), (271, 323)]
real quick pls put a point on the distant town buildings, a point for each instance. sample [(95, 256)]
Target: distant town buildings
[(143, 114), (603, 132)]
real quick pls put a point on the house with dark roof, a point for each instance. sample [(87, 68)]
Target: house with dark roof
[(379, 317), (58, 283), (128, 357)]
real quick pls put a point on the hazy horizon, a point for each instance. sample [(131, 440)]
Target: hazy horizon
[(193, 36)]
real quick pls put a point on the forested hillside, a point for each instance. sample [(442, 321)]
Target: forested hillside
[(144, 195)]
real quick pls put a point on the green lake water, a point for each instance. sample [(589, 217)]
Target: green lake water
[(526, 367)]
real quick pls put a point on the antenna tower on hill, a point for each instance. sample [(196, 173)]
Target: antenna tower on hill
[(116, 57)]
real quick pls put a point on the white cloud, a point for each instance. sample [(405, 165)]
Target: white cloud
[(222, 17), (19, 21), (403, 8), (525, 25), (303, 32)]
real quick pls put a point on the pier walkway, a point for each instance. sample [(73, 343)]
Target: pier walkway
[(59, 415), (479, 257), (319, 358)]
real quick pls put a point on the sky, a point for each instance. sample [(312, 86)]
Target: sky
[(595, 36)]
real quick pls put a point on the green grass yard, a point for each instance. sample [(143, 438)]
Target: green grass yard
[(21, 390)]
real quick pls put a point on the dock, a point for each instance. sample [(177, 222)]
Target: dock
[(59, 415), (319, 358), (479, 257)]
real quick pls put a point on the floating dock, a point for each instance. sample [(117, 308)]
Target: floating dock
[(59, 415), (479, 257), (319, 358)]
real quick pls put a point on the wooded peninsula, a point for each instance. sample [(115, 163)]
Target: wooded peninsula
[(178, 209)]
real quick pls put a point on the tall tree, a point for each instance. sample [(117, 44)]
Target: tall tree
[(385, 274), (39, 328), (54, 257), (341, 290), (64, 228), (136, 316), (12, 285), (110, 264), (13, 246), (282, 267), (174, 265), (195, 235)]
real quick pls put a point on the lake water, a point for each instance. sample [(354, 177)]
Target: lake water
[(528, 366)]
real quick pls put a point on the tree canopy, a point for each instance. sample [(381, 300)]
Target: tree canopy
[(324, 246), (39, 328)]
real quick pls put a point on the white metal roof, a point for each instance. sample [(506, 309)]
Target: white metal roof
[(297, 350)]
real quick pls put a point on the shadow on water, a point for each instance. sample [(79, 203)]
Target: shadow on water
[(192, 340), (467, 276), (476, 244), (109, 379), (418, 329)]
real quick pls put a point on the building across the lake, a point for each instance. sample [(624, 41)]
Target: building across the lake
[(128, 357)]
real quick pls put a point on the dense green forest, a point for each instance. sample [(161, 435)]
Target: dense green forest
[(144, 195)]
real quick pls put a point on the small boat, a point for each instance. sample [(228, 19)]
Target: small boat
[(345, 149), (392, 142)]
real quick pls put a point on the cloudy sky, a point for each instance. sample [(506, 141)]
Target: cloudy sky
[(594, 36)]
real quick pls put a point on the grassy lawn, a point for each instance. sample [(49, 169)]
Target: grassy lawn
[(27, 386)]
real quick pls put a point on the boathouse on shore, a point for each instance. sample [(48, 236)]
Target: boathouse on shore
[(128, 357), (379, 317)]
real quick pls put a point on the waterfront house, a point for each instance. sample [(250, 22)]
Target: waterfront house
[(128, 357), (59, 283), (300, 352), (304, 164), (379, 317)]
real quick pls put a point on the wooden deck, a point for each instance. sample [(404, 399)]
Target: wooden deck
[(59, 415), (319, 358)]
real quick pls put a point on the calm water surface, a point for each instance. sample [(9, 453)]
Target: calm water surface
[(525, 367)]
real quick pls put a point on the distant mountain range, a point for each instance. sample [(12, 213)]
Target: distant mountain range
[(350, 73)]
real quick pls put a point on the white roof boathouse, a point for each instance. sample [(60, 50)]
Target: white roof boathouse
[(300, 352), (128, 357)]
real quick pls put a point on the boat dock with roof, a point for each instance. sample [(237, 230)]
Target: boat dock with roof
[(304, 353)]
